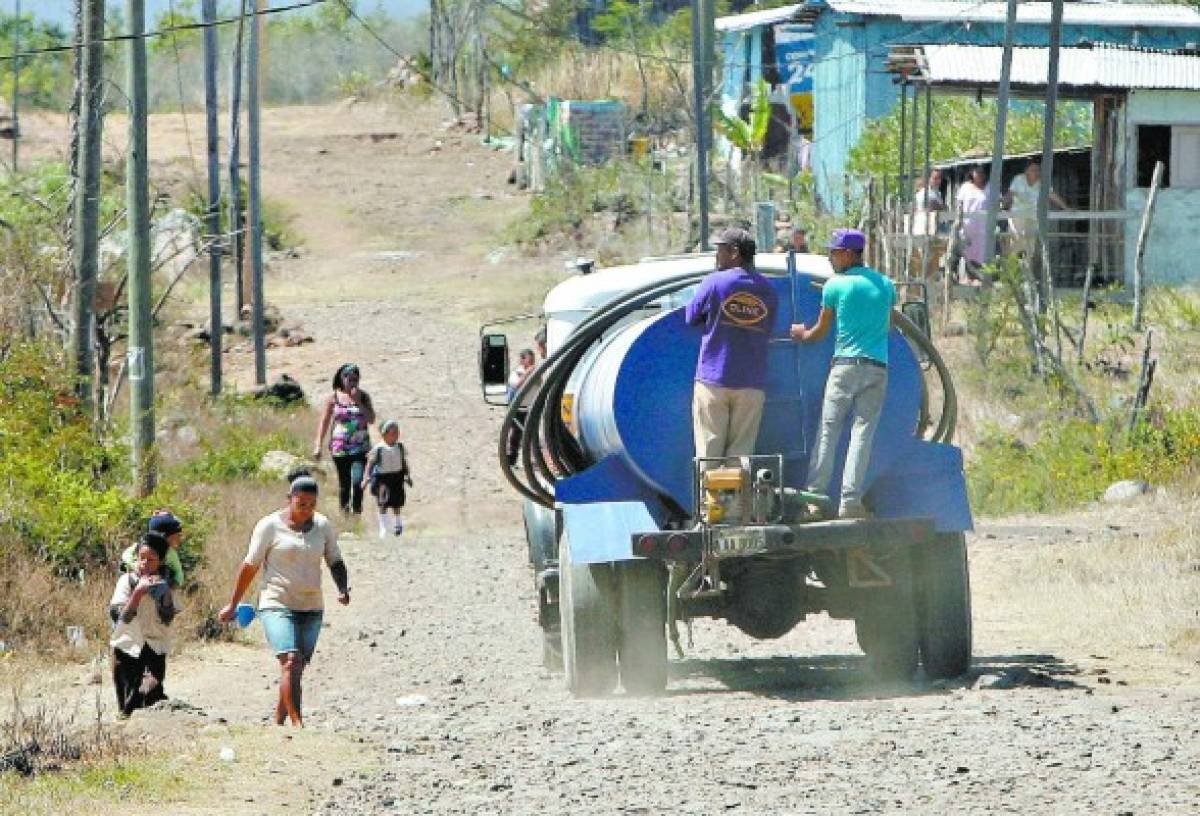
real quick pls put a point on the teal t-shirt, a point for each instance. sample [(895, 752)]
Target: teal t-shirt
[(862, 300)]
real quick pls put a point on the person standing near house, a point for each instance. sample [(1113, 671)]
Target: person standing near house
[(972, 203), (737, 307), (859, 301), (1022, 200)]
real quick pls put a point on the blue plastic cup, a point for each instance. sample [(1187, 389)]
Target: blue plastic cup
[(245, 614)]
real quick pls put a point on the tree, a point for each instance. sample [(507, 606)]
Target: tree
[(748, 135), (963, 128), (45, 78)]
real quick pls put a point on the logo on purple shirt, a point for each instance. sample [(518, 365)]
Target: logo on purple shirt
[(737, 309)]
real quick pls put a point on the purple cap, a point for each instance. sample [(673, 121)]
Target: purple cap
[(847, 239)]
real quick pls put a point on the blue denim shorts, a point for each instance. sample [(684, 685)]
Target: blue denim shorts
[(292, 630)]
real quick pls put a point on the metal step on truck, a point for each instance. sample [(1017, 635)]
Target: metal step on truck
[(630, 535)]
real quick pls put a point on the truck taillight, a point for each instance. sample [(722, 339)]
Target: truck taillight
[(677, 543)]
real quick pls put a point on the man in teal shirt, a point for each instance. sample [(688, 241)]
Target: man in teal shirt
[(860, 301)]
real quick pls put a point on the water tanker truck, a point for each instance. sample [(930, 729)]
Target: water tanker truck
[(629, 534)]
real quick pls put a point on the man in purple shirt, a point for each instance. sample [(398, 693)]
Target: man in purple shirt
[(737, 307)]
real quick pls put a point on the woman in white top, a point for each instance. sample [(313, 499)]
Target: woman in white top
[(289, 546)]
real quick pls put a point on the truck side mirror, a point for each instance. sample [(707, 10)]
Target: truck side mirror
[(493, 368)]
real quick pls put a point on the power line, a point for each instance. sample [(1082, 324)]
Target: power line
[(160, 32)]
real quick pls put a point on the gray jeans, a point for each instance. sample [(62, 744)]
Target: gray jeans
[(851, 387)]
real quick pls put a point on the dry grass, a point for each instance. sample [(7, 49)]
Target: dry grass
[(1111, 580), (581, 73)]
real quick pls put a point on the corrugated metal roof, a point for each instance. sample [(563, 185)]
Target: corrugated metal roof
[(1119, 15), (1098, 67), (743, 22)]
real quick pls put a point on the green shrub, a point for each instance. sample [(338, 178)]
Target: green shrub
[(236, 454), (63, 490), (1073, 461)]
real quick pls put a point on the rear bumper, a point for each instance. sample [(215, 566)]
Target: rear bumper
[(723, 542)]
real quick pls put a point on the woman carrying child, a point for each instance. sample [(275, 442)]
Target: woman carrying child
[(289, 545), (388, 462), (142, 609)]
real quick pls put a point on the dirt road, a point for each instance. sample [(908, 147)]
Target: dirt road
[(435, 665)]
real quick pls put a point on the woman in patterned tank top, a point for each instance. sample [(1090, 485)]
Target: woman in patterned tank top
[(349, 412)]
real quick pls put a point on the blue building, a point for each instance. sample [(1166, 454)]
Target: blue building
[(850, 83)]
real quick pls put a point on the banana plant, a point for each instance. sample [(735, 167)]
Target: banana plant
[(748, 135)]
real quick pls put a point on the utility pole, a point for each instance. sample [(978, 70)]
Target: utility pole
[(236, 222), (16, 94), (256, 248), (701, 77), (140, 354), (209, 12), (87, 192), (996, 177), (1046, 184)]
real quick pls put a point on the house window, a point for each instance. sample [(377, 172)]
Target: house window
[(1177, 147), (1185, 156), (1154, 145)]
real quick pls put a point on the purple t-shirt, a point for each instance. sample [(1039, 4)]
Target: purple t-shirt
[(737, 309)]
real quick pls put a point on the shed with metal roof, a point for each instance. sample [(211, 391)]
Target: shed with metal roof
[(852, 40)]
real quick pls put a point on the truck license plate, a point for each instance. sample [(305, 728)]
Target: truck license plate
[(736, 542)]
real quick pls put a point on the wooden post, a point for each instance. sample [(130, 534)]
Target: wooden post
[(213, 216), (996, 178), (16, 91), (237, 224), (140, 352), (87, 193), (1139, 265), (256, 248), (701, 77), (1083, 320), (1145, 380), (1043, 203)]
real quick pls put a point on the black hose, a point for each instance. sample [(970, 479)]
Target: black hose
[(546, 426), (549, 452)]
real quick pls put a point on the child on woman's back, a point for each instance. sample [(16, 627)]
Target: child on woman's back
[(165, 523), (389, 464), (142, 609)]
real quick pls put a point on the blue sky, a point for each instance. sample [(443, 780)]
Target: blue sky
[(60, 10)]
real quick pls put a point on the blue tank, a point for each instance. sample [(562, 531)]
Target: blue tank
[(632, 400)]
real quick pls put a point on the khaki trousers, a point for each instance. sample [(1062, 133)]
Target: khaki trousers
[(725, 420)]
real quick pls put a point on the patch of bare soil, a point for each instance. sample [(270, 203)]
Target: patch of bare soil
[(436, 662)]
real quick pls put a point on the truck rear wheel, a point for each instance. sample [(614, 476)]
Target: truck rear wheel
[(588, 623), (943, 598), (886, 626), (642, 637)]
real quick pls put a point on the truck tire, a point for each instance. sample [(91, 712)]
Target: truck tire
[(587, 614), (886, 627), (642, 636), (943, 598)]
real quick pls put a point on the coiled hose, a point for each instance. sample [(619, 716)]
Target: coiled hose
[(548, 452)]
